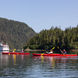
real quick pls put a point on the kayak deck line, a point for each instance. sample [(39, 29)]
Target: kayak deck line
[(18, 53)]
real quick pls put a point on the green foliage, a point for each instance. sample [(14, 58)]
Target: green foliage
[(55, 37), (16, 34)]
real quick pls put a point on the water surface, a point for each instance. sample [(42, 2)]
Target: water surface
[(23, 66)]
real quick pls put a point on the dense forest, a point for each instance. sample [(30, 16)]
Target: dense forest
[(55, 38), (15, 33)]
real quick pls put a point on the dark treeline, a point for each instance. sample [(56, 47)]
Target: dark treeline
[(15, 33), (55, 37)]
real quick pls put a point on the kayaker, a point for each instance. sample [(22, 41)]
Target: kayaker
[(22, 50), (14, 50), (51, 51), (64, 51)]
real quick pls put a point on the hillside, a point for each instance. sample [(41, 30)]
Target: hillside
[(15, 33)]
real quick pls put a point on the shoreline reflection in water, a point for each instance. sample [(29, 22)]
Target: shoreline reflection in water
[(22, 66)]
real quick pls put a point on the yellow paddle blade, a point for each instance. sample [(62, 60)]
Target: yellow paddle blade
[(53, 48)]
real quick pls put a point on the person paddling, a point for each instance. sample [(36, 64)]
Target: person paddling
[(51, 51), (64, 51)]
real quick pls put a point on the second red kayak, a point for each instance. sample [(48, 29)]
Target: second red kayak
[(35, 54)]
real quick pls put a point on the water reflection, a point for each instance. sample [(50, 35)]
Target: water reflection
[(4, 61), (14, 58), (48, 59), (22, 66), (61, 67)]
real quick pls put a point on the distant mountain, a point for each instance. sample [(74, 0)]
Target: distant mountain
[(15, 33)]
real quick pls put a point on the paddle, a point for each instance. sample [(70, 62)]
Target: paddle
[(61, 51)]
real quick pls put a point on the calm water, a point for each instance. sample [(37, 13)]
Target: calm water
[(22, 66)]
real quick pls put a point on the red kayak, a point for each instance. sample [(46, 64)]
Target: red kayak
[(35, 54), (15, 53)]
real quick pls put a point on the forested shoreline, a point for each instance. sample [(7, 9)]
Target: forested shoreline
[(55, 38)]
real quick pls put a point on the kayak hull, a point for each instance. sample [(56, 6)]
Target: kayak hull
[(35, 54), (17, 53)]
